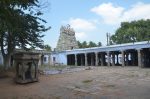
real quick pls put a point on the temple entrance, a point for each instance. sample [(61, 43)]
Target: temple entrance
[(146, 57), (71, 59), (131, 58), (80, 60), (91, 59)]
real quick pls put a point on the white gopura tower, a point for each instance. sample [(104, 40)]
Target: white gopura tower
[(67, 39)]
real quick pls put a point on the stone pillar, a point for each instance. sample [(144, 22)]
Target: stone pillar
[(49, 59), (113, 59), (102, 59), (40, 60), (127, 58), (122, 59), (140, 64), (23, 70), (85, 59), (96, 58), (117, 59), (108, 58), (76, 60)]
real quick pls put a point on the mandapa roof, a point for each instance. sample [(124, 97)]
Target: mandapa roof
[(118, 47)]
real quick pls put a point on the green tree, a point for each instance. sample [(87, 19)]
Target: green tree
[(99, 44), (132, 32), (20, 26), (92, 44), (47, 47), (79, 44), (84, 44)]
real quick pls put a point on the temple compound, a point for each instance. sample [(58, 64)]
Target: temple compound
[(67, 40), (130, 54), (67, 53)]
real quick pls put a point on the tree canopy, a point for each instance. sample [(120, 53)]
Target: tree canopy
[(47, 47), (20, 26), (84, 44), (132, 32)]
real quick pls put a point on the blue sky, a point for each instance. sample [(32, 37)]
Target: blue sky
[(91, 19)]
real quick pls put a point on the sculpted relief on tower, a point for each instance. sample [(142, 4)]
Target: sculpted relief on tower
[(67, 39)]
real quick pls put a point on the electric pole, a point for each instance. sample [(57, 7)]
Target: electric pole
[(108, 38)]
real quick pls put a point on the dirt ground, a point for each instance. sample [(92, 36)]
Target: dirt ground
[(98, 83)]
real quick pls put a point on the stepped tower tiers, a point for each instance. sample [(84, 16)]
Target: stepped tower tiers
[(67, 39)]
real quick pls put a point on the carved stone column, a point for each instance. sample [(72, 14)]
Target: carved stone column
[(127, 58), (108, 58), (140, 64), (102, 59), (96, 58), (76, 60), (122, 59), (40, 63), (113, 59), (85, 59), (49, 60), (117, 59)]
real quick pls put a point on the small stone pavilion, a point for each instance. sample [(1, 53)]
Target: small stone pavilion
[(26, 64)]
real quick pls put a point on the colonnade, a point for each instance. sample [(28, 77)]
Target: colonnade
[(131, 57)]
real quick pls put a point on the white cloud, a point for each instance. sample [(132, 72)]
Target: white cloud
[(138, 11), (112, 14), (108, 12), (81, 24), (82, 27), (81, 35)]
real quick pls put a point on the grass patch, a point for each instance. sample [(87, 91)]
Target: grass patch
[(147, 74), (15, 97), (109, 86), (87, 81), (48, 67), (132, 75), (89, 68), (1, 68), (77, 87), (57, 67)]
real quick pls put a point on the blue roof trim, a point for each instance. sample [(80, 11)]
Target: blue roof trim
[(119, 47)]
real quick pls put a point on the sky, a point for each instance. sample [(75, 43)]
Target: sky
[(91, 19)]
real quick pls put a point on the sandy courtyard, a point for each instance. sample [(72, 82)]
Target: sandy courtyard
[(98, 83)]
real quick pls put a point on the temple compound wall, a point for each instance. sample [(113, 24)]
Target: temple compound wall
[(67, 40), (131, 54), (59, 58)]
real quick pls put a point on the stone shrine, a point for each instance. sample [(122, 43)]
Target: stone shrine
[(67, 39), (26, 67)]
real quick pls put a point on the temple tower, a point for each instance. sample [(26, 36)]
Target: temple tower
[(67, 39)]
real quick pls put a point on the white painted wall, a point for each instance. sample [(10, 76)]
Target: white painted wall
[(46, 59), (60, 58)]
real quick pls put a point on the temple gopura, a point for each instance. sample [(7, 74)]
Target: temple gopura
[(67, 39)]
